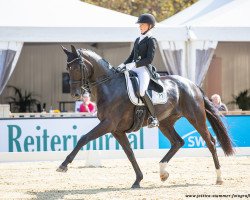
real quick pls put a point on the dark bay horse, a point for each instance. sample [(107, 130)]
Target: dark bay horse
[(115, 111)]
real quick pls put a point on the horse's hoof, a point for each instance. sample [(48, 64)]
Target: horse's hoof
[(164, 176), (62, 169), (219, 182), (134, 186)]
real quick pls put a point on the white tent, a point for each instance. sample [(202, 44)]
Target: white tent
[(68, 21), (206, 23), (229, 22), (62, 21)]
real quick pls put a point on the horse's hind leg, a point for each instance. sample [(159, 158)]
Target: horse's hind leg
[(200, 125), (123, 141), (167, 128), (219, 180)]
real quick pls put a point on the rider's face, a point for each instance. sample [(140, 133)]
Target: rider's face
[(216, 100), (143, 27)]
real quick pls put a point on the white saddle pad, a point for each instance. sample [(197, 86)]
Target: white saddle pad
[(157, 98)]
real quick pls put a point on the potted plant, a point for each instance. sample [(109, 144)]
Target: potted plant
[(21, 102), (242, 100)]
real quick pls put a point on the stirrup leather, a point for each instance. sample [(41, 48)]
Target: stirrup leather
[(152, 120)]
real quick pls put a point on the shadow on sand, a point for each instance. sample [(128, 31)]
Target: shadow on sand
[(59, 194)]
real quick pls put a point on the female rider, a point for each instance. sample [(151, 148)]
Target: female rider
[(140, 58)]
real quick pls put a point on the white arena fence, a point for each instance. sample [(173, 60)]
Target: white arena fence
[(52, 138)]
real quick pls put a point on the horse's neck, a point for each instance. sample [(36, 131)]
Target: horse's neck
[(105, 92), (101, 75), (100, 72), (100, 67)]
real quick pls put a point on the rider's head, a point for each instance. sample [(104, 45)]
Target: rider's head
[(86, 96), (216, 99), (146, 21)]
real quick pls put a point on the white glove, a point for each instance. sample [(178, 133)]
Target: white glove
[(130, 66), (121, 66)]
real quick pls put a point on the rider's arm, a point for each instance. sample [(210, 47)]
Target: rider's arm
[(152, 44), (130, 58)]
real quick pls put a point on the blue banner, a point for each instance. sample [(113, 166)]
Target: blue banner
[(238, 129)]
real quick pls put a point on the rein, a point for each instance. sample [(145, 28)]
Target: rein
[(98, 82), (86, 85)]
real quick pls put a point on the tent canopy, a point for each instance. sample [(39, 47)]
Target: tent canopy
[(62, 21), (224, 20), (69, 21)]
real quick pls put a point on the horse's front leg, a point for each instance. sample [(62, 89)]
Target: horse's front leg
[(101, 129), (123, 140)]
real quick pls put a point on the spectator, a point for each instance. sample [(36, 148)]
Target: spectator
[(217, 103), (87, 105)]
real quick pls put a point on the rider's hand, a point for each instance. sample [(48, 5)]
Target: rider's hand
[(129, 66), (121, 66)]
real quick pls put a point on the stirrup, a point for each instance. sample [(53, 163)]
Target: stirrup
[(153, 122)]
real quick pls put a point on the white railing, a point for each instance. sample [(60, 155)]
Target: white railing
[(47, 115), (85, 114)]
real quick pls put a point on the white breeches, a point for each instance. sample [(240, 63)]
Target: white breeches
[(143, 77)]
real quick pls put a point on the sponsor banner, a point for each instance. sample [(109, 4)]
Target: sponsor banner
[(61, 134), (238, 128)]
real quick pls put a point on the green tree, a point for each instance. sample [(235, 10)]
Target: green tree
[(161, 9)]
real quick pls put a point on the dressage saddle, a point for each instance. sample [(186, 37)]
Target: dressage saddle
[(153, 84)]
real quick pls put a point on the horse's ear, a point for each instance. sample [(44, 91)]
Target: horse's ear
[(65, 50), (73, 49)]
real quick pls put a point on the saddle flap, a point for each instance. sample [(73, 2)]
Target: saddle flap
[(157, 98), (135, 82), (154, 84)]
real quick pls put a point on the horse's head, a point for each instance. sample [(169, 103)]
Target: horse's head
[(79, 71)]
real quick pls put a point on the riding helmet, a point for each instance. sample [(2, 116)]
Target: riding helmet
[(146, 18)]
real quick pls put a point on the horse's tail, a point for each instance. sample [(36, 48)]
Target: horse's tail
[(219, 128)]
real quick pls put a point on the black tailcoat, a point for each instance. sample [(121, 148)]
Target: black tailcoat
[(143, 52)]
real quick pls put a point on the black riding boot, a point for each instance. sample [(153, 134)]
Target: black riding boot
[(152, 120)]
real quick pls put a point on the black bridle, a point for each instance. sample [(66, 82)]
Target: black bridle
[(84, 80), (86, 85)]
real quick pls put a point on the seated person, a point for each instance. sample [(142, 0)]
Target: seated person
[(87, 105), (77, 105), (217, 103)]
